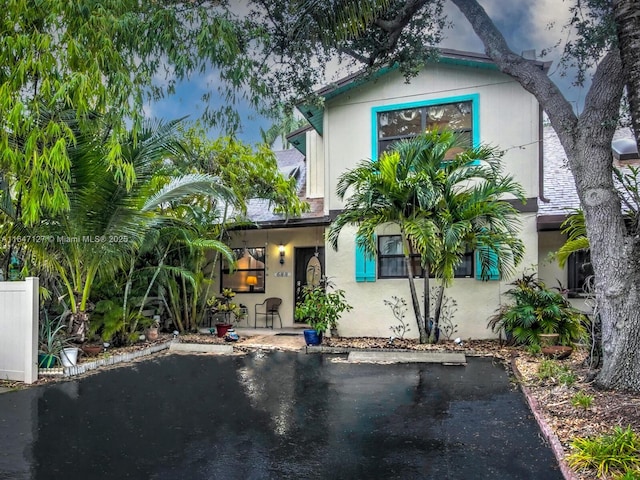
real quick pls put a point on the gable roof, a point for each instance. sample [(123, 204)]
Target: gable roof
[(290, 163), (314, 113)]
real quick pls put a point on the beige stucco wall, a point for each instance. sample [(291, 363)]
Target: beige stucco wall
[(476, 300), (508, 118), (548, 269)]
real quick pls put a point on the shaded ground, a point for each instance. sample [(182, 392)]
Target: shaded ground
[(274, 415)]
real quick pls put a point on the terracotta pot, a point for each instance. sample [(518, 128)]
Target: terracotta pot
[(91, 350), (152, 334), (558, 352)]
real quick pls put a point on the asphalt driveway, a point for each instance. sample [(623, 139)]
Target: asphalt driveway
[(275, 416)]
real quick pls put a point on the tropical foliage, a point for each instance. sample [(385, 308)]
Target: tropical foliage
[(534, 310), (113, 57), (106, 223), (441, 207)]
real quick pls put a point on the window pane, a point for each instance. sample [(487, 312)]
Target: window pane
[(392, 267), (456, 116), (249, 272), (580, 269), (390, 245), (239, 282), (400, 123), (385, 145), (465, 269)]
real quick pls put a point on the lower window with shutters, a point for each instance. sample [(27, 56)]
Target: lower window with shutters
[(391, 260)]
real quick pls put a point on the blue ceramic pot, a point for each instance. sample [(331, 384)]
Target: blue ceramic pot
[(312, 337)]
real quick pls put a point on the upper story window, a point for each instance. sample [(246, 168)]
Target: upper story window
[(394, 125), (391, 260), (249, 273)]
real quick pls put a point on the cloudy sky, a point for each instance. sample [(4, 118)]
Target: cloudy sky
[(526, 25)]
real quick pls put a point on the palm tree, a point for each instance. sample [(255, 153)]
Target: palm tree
[(107, 222), (442, 208), (283, 125), (576, 230)]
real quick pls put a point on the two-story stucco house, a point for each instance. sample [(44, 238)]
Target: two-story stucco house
[(359, 119)]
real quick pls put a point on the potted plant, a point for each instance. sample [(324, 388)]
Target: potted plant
[(225, 309), (320, 307), (151, 333), (54, 345), (537, 312), (50, 340)]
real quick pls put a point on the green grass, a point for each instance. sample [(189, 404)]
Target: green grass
[(583, 400), (617, 453), (550, 370)]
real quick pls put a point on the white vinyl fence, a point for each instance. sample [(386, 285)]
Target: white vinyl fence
[(19, 330)]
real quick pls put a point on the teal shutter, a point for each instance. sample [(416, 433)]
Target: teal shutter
[(365, 266), (493, 273)]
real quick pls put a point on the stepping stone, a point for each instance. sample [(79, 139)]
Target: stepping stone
[(446, 358), (201, 347)]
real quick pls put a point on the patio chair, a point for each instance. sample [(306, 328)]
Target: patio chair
[(269, 309)]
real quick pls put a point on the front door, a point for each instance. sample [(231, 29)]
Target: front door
[(309, 269)]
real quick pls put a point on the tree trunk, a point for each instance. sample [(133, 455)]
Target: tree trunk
[(424, 337), (79, 326), (436, 315), (587, 143), (627, 16)]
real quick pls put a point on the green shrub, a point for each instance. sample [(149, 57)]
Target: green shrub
[(534, 349), (321, 307), (535, 309), (553, 371), (617, 453), (582, 399)]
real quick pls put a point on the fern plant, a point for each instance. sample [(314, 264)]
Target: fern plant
[(536, 309)]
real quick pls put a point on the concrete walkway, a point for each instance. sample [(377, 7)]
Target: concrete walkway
[(445, 358), (292, 339)]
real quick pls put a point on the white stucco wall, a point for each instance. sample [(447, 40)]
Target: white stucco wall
[(548, 269), (476, 300), (508, 118)]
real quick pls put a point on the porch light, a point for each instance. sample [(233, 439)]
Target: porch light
[(252, 281), (281, 250)]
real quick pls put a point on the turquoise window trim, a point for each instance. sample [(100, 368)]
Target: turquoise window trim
[(494, 272), (365, 266), (475, 115)]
